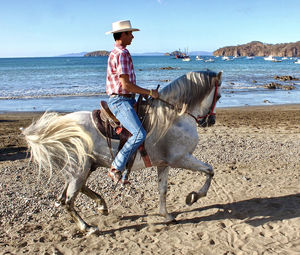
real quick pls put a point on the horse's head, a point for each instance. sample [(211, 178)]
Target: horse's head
[(194, 94), (209, 103)]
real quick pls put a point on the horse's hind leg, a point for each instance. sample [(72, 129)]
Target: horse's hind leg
[(163, 187), (61, 200), (102, 207), (74, 186)]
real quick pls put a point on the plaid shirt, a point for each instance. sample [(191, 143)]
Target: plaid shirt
[(119, 62)]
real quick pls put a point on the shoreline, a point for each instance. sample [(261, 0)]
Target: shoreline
[(245, 107)]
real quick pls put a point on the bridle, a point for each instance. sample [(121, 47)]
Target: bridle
[(200, 120)]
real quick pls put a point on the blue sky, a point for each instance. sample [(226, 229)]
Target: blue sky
[(31, 28)]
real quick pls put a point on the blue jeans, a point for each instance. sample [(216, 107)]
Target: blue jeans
[(122, 108)]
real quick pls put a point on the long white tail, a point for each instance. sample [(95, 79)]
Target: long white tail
[(58, 142)]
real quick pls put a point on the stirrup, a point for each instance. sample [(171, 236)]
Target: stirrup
[(115, 175), (124, 182)]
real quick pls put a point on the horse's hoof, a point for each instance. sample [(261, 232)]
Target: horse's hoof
[(191, 198), (92, 230), (169, 219), (103, 212), (170, 222)]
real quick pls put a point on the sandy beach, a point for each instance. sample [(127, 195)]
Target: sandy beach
[(252, 207)]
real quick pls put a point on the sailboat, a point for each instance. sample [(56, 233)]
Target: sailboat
[(186, 56), (269, 58)]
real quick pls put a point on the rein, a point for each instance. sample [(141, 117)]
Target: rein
[(175, 108), (198, 118)]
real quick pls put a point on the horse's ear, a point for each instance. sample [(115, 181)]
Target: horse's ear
[(220, 75)]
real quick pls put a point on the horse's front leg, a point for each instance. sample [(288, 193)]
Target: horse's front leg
[(163, 187), (191, 163)]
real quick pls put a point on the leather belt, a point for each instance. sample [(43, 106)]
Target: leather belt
[(123, 95)]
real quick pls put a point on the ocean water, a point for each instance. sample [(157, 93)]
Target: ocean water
[(78, 83)]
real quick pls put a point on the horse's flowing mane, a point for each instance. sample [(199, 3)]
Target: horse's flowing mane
[(184, 93)]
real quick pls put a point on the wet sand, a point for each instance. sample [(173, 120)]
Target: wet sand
[(252, 207)]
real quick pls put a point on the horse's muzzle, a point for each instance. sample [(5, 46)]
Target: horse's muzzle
[(211, 120), (207, 121)]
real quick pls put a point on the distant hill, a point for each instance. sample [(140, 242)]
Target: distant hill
[(98, 53), (257, 48), (101, 53), (80, 54)]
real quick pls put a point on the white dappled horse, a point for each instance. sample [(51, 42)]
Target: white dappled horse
[(72, 143)]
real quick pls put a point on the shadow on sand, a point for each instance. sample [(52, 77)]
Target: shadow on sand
[(256, 212), (7, 121), (13, 153)]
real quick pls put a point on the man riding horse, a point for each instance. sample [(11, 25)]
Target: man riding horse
[(71, 143), (121, 88)]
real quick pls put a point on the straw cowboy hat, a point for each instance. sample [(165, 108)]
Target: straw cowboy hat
[(121, 26)]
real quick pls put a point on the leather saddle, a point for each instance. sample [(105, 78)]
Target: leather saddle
[(111, 128)]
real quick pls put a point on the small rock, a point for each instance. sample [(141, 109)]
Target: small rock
[(245, 178), (57, 252), (200, 235), (42, 239), (285, 78), (22, 245), (167, 68), (274, 85), (223, 225)]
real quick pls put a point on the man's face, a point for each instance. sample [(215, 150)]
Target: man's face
[(127, 37)]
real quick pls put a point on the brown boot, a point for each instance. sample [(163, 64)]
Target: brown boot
[(115, 175), (124, 182)]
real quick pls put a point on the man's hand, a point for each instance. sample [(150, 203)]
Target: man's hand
[(155, 93), (130, 87)]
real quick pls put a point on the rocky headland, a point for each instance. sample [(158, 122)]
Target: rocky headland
[(256, 48), (98, 53)]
